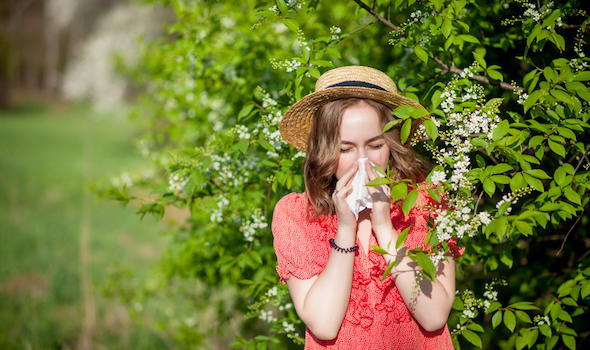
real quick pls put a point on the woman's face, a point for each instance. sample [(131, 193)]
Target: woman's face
[(361, 137)]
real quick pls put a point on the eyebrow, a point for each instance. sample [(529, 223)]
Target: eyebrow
[(378, 137)]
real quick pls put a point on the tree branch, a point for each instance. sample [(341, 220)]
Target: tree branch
[(568, 233), (452, 69), (379, 17)]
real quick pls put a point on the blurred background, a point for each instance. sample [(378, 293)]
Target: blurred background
[(63, 128)]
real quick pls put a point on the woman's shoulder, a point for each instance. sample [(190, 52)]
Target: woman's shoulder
[(292, 204)]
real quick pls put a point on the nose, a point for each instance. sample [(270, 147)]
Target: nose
[(362, 153)]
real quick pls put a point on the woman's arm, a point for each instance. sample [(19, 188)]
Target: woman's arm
[(321, 301), (430, 302)]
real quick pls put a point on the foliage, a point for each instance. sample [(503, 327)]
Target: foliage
[(511, 160)]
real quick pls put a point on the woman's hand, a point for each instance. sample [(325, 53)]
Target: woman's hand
[(346, 218), (380, 213)]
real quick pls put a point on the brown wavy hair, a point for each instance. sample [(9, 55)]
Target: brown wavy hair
[(323, 151)]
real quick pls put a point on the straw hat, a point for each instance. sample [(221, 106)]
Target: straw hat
[(339, 83)]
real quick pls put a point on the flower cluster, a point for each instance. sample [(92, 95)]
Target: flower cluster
[(268, 127), (540, 320), (438, 177), (123, 180), (217, 214), (272, 309), (522, 95), (335, 31), (222, 170), (176, 182), (472, 304), (504, 206), (532, 13), (290, 65), (250, 227)]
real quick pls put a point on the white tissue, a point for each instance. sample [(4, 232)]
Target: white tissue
[(359, 199)]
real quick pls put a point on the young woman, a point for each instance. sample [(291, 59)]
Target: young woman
[(324, 251)]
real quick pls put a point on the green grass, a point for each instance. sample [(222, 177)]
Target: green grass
[(47, 160)]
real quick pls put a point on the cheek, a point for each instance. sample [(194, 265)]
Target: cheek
[(381, 158)]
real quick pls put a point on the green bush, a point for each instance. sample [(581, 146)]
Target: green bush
[(506, 85)]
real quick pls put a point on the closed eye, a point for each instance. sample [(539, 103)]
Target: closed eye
[(377, 146)]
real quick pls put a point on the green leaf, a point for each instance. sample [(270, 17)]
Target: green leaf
[(388, 269), (494, 74), (582, 76), (569, 341), (421, 53), (497, 318), (538, 173), (545, 330), (523, 316), (523, 305), (399, 191), (377, 249), (479, 58), (549, 74), (557, 148), (426, 264), (379, 181), (431, 129), (506, 256), (475, 327), (532, 337), (534, 182), (245, 111), (509, 320), (282, 6), (391, 124), (585, 289), (405, 132), (409, 202), (500, 130), (433, 194), (404, 111), (291, 24), (561, 96), (494, 305), (447, 26), (472, 337), (489, 187), (517, 182), (572, 196), (401, 238)]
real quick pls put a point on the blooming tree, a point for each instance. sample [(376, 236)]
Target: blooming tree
[(505, 85)]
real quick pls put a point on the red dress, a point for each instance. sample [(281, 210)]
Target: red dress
[(377, 317)]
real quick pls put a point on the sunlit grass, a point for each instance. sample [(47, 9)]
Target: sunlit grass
[(47, 159)]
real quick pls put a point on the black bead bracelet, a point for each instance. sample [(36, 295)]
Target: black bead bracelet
[(342, 250)]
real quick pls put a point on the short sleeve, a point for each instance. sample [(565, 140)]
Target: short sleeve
[(299, 243)]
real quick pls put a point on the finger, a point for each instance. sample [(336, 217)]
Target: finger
[(347, 177), (371, 173)]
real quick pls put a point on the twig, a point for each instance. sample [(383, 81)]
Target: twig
[(379, 17), (494, 160), (350, 33), (583, 157), (452, 69), (436, 75), (477, 202), (568, 233)]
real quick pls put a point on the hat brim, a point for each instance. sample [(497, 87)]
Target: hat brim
[(297, 121)]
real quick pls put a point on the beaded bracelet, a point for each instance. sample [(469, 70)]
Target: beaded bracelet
[(342, 250)]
